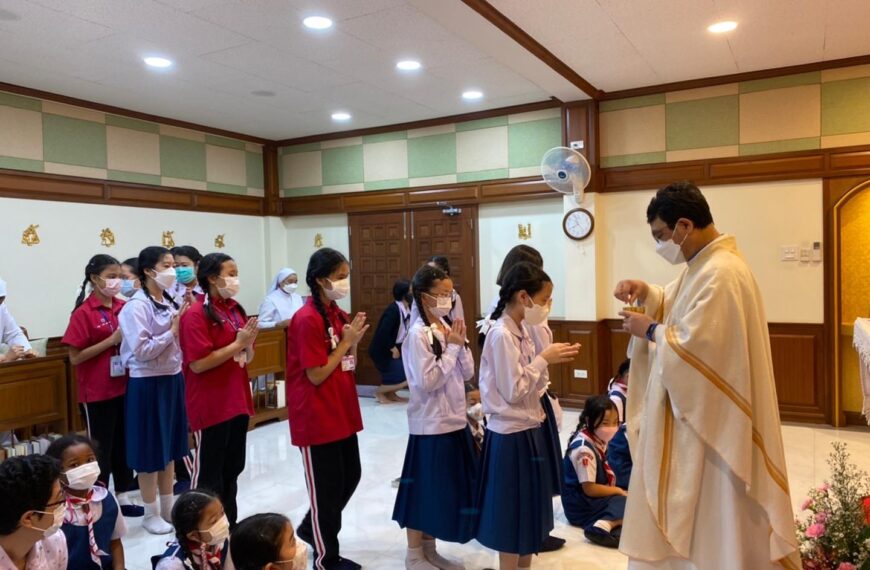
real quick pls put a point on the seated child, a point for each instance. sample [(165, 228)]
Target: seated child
[(31, 514), (201, 533), (267, 542), (590, 497), (618, 453), (476, 419), (92, 523)]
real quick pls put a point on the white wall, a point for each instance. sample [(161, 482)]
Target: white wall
[(43, 279), (299, 233)]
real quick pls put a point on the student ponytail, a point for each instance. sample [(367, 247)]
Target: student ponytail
[(95, 266), (424, 280), (321, 265), (148, 259), (186, 514), (518, 254), (523, 276), (210, 266)]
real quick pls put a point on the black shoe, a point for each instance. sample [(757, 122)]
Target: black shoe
[(552, 543), (133, 511), (349, 564), (180, 487), (598, 536)]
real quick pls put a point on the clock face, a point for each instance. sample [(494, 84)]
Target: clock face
[(578, 224)]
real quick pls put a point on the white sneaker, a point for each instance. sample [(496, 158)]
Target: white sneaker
[(415, 560), (156, 525), (437, 560)]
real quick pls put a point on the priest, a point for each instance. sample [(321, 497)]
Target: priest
[(709, 489)]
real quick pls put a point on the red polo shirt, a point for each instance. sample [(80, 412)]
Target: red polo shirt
[(328, 412), (223, 392), (89, 324)]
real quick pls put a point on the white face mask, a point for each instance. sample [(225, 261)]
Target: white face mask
[(56, 523), (230, 288), (83, 477), (112, 288), (443, 306), (165, 279), (340, 289), (475, 412), (536, 314), (218, 533), (289, 288), (672, 252), (300, 561)]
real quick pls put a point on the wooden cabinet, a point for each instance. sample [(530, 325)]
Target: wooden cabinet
[(269, 363), (33, 396)]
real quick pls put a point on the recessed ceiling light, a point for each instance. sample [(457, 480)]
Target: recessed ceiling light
[(340, 116), (472, 95), (159, 62), (722, 27), (263, 93), (317, 22), (408, 65)]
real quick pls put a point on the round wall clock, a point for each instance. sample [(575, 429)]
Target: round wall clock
[(578, 224)]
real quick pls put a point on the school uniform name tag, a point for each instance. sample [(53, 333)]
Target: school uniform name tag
[(116, 366), (348, 363)]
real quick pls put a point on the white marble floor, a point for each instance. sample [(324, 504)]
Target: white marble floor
[(273, 482)]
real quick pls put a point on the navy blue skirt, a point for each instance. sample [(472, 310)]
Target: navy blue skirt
[(438, 486), (619, 458), (583, 511), (516, 503), (156, 422), (554, 449), (394, 374)]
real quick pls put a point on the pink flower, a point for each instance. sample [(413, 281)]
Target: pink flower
[(806, 504), (846, 566), (822, 518), (815, 530), (823, 488)]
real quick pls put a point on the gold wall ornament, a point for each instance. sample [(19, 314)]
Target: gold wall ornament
[(318, 241), (219, 241), (29, 236), (107, 238), (524, 231), (168, 239)]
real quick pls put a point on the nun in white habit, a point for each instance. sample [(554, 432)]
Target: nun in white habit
[(282, 301)]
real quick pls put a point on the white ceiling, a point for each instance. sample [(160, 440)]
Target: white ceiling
[(621, 44), (225, 49)]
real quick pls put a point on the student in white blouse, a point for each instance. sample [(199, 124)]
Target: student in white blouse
[(31, 514), (282, 301), (16, 344)]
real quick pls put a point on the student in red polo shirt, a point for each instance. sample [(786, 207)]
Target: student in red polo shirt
[(323, 405), (93, 337), (217, 341)]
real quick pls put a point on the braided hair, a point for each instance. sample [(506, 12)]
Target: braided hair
[(522, 276), (148, 259), (95, 266), (186, 514), (441, 262), (322, 264), (426, 278), (517, 254), (593, 414), (210, 266)]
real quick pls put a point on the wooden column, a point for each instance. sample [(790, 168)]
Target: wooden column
[(271, 180), (580, 123)]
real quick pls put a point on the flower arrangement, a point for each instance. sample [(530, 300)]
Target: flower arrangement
[(835, 532)]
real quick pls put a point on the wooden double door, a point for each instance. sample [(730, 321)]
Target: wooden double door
[(385, 247)]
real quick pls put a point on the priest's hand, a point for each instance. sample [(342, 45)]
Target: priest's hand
[(635, 323), (631, 290)]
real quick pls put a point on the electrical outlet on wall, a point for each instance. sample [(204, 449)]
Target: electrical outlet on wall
[(788, 253)]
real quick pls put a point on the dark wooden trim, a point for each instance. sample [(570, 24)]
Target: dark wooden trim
[(271, 180), (38, 93), (821, 163), (735, 77), (490, 191), (523, 108), (855, 419), (60, 188), (516, 33)]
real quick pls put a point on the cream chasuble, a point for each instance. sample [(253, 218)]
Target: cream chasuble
[(709, 489)]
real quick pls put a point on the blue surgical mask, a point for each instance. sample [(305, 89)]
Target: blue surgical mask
[(128, 287), (184, 274)]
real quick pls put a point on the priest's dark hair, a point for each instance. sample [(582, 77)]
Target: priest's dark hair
[(680, 200)]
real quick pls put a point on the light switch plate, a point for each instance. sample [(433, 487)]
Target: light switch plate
[(788, 253), (581, 373)]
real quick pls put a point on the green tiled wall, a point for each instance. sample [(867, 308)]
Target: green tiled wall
[(509, 146), (44, 136), (820, 109)]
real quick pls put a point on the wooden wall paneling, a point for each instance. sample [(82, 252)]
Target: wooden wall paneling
[(805, 166), (124, 195), (580, 377), (34, 392), (361, 201), (799, 369), (311, 205), (271, 180), (439, 195), (18, 184), (212, 202), (617, 341)]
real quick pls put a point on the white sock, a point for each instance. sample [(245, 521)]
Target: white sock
[(416, 560), (124, 499), (166, 504), (152, 522), (436, 559), (606, 526)]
